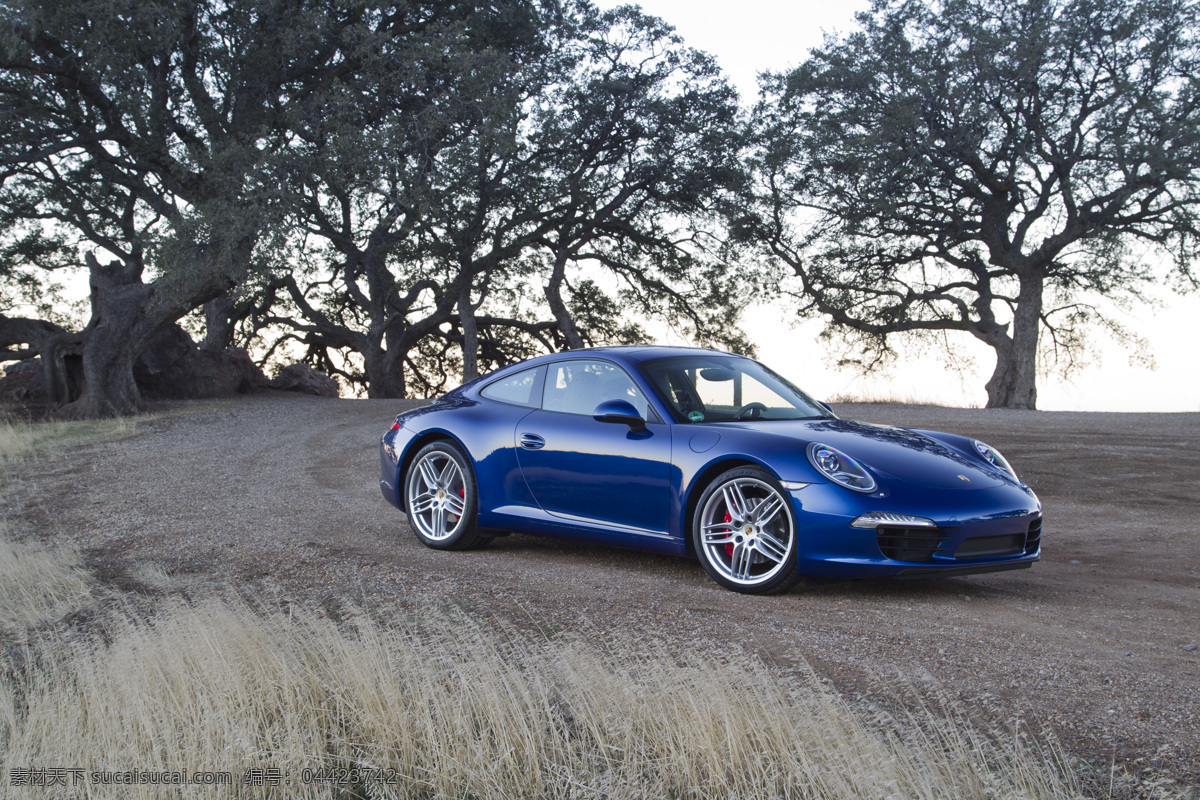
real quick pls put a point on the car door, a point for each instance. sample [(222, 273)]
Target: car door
[(602, 472)]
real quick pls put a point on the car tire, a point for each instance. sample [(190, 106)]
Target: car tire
[(441, 498), (744, 532)]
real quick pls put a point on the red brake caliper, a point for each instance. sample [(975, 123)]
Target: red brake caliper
[(461, 493), (728, 545)]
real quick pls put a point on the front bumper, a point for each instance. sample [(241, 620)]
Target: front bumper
[(984, 530), (389, 468)]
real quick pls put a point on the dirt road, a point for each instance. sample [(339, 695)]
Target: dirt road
[(278, 493)]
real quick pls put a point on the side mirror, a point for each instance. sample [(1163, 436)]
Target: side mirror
[(620, 411), (826, 406)]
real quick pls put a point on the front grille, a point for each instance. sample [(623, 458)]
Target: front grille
[(1033, 540), (910, 544)]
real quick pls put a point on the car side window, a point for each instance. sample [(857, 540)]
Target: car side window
[(577, 387), (516, 389)]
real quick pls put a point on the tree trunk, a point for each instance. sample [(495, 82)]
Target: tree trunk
[(62, 367), (58, 349), (126, 314), (385, 374), (109, 389), (1014, 382), (218, 324), (470, 330), (558, 308), (111, 343)]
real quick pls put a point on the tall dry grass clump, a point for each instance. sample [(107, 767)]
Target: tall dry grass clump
[(38, 586), (433, 706), (454, 709), (20, 440)]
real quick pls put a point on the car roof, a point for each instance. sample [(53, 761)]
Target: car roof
[(630, 354), (625, 355)]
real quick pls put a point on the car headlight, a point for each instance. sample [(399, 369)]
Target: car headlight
[(840, 468), (993, 457)]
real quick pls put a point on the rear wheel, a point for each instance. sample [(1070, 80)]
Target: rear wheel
[(441, 498), (744, 532)]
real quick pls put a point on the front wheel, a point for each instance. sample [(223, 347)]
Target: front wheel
[(744, 532), (441, 499)]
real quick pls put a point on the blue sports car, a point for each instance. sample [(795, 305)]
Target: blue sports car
[(704, 454)]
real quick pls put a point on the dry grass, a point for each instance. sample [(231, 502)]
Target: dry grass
[(884, 396), (456, 710), (38, 586), (22, 440), (442, 705)]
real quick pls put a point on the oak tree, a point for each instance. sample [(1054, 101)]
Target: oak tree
[(984, 166), (563, 184), (147, 138)]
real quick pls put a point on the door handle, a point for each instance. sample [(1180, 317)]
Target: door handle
[(531, 441)]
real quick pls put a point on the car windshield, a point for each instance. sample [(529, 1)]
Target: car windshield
[(724, 389)]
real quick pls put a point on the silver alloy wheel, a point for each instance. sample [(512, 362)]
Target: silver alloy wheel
[(746, 531), (436, 495)]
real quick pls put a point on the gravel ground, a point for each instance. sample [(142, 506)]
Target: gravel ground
[(1097, 642)]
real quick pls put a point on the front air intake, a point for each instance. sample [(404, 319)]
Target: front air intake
[(1033, 540), (910, 544)]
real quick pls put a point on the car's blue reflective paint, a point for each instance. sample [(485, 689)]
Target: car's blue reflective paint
[(560, 474), (584, 464), (831, 547)]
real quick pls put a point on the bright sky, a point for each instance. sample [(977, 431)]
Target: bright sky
[(751, 36)]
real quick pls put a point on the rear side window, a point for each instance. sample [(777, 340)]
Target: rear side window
[(517, 389), (578, 386)]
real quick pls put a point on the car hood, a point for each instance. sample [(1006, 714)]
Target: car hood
[(894, 453)]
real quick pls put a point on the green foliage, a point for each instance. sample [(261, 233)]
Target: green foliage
[(578, 149), (984, 166), (600, 315), (371, 181)]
